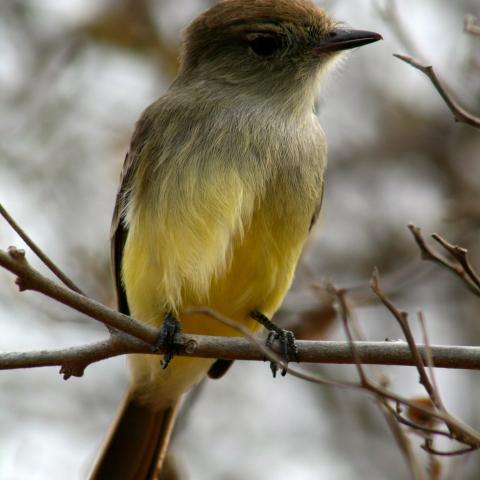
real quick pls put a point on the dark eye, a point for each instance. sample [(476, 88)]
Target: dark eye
[(264, 45)]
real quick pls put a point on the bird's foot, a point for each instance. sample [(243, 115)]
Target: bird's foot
[(168, 338), (286, 338)]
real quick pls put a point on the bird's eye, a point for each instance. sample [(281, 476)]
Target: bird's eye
[(264, 45)]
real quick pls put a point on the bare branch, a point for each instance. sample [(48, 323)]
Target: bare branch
[(236, 348), (463, 269), (458, 430), (460, 114), (460, 254), (402, 319), (267, 352), (401, 438), (415, 426), (462, 451), (38, 252), (341, 296), (464, 433), (74, 361), (429, 358), (387, 353)]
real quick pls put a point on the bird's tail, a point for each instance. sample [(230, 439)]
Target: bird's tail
[(137, 443)]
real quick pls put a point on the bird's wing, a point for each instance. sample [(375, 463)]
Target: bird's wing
[(316, 213), (119, 231)]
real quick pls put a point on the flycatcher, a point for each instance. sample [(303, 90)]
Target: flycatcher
[(220, 187)]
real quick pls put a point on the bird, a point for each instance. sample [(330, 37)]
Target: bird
[(220, 187)]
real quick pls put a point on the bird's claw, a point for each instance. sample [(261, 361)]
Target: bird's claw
[(289, 348), (285, 337), (168, 338)]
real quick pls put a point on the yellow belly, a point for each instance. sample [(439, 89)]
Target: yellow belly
[(255, 275)]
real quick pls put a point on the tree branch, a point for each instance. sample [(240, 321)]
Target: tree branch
[(402, 319), (138, 337), (461, 256), (458, 431), (130, 336), (462, 267), (237, 348), (460, 114)]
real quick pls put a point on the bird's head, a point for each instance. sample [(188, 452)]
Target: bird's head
[(266, 46)]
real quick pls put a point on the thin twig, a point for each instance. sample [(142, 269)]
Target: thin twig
[(400, 437), (414, 426), (461, 255), (460, 114), (402, 319), (459, 431), (340, 293), (440, 453), (39, 252), (403, 441), (469, 435), (429, 359), (463, 269), (268, 352)]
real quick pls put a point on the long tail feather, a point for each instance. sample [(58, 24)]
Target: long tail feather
[(137, 443)]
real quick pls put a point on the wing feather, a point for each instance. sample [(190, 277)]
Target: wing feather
[(119, 231)]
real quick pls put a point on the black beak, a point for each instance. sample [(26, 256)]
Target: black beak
[(339, 39)]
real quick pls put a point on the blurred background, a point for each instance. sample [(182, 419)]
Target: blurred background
[(75, 76)]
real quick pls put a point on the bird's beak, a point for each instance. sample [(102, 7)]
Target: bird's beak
[(340, 39)]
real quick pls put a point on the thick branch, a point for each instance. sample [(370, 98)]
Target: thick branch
[(460, 114), (237, 348)]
